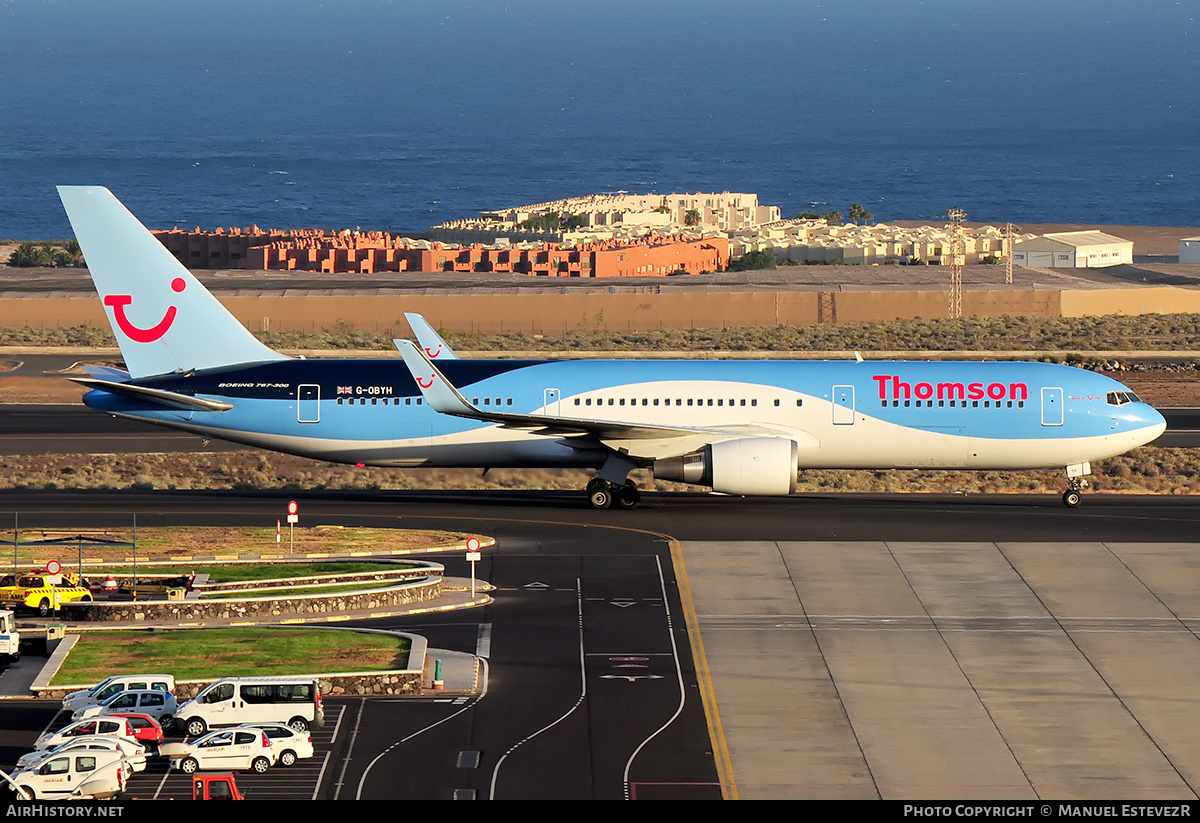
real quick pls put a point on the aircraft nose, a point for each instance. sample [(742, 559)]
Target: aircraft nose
[(1152, 419)]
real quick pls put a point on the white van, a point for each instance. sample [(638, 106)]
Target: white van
[(109, 686), (235, 701), (10, 638), (157, 704), (65, 775)]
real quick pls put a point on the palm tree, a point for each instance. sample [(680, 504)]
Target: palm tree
[(28, 254), (691, 218), (73, 254)]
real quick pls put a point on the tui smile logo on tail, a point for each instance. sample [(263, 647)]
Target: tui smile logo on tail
[(138, 335)]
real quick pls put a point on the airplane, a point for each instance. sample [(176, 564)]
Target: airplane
[(736, 427)]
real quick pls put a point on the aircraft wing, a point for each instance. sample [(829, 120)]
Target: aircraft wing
[(430, 340), (645, 440)]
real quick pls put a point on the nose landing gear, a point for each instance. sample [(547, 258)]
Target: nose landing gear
[(1076, 483)]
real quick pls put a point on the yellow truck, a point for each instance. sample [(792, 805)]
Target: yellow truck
[(41, 592)]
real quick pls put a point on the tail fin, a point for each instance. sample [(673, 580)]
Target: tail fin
[(164, 320)]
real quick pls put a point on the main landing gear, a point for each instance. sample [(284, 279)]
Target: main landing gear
[(602, 494)]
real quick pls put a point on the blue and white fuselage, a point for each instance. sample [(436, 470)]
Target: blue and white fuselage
[(740, 427)]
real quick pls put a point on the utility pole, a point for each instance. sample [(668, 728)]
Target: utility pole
[(957, 257), (1009, 231)]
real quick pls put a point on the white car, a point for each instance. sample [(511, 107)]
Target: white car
[(109, 686), (288, 744), (135, 753), (159, 705), (117, 726), (68, 775), (229, 749)]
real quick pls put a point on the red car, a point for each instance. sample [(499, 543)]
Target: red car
[(145, 729)]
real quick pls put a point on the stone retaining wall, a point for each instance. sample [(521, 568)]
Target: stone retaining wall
[(334, 685), (429, 588)]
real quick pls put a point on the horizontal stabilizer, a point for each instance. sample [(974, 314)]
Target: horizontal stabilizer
[(167, 399), (107, 373)]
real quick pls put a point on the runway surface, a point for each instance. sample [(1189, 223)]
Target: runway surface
[(856, 646)]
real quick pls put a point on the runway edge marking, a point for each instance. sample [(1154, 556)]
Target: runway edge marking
[(708, 696)]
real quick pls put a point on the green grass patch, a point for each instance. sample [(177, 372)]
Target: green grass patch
[(242, 572), (210, 653)]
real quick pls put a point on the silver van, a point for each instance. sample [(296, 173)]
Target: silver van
[(109, 686), (234, 701)]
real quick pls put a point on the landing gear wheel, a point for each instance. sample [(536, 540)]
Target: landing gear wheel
[(628, 497), (1072, 498), (601, 497)]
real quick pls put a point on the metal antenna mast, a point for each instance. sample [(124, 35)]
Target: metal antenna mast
[(1009, 231), (957, 258)]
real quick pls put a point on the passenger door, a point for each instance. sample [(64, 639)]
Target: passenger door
[(843, 405), (1052, 406), (308, 403)]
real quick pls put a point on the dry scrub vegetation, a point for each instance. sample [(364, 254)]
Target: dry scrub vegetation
[(1148, 469), (1148, 332)]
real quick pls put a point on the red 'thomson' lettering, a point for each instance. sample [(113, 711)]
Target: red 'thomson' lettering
[(891, 387)]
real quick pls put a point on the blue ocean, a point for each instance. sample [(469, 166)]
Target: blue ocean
[(398, 114)]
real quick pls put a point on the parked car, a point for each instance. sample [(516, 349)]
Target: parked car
[(115, 726), (235, 701), (288, 744), (225, 749), (159, 705), (109, 686), (146, 729), (68, 774), (135, 753)]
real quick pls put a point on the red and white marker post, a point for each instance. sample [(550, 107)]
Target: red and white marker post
[(473, 558), (293, 519)]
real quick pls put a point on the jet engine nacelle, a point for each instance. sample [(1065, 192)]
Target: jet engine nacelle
[(751, 466)]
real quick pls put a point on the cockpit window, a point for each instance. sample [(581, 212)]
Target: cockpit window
[(1120, 398)]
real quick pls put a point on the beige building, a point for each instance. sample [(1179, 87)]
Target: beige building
[(815, 242), (616, 216), (1073, 250)]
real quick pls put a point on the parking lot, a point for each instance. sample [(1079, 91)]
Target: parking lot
[(302, 781)]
